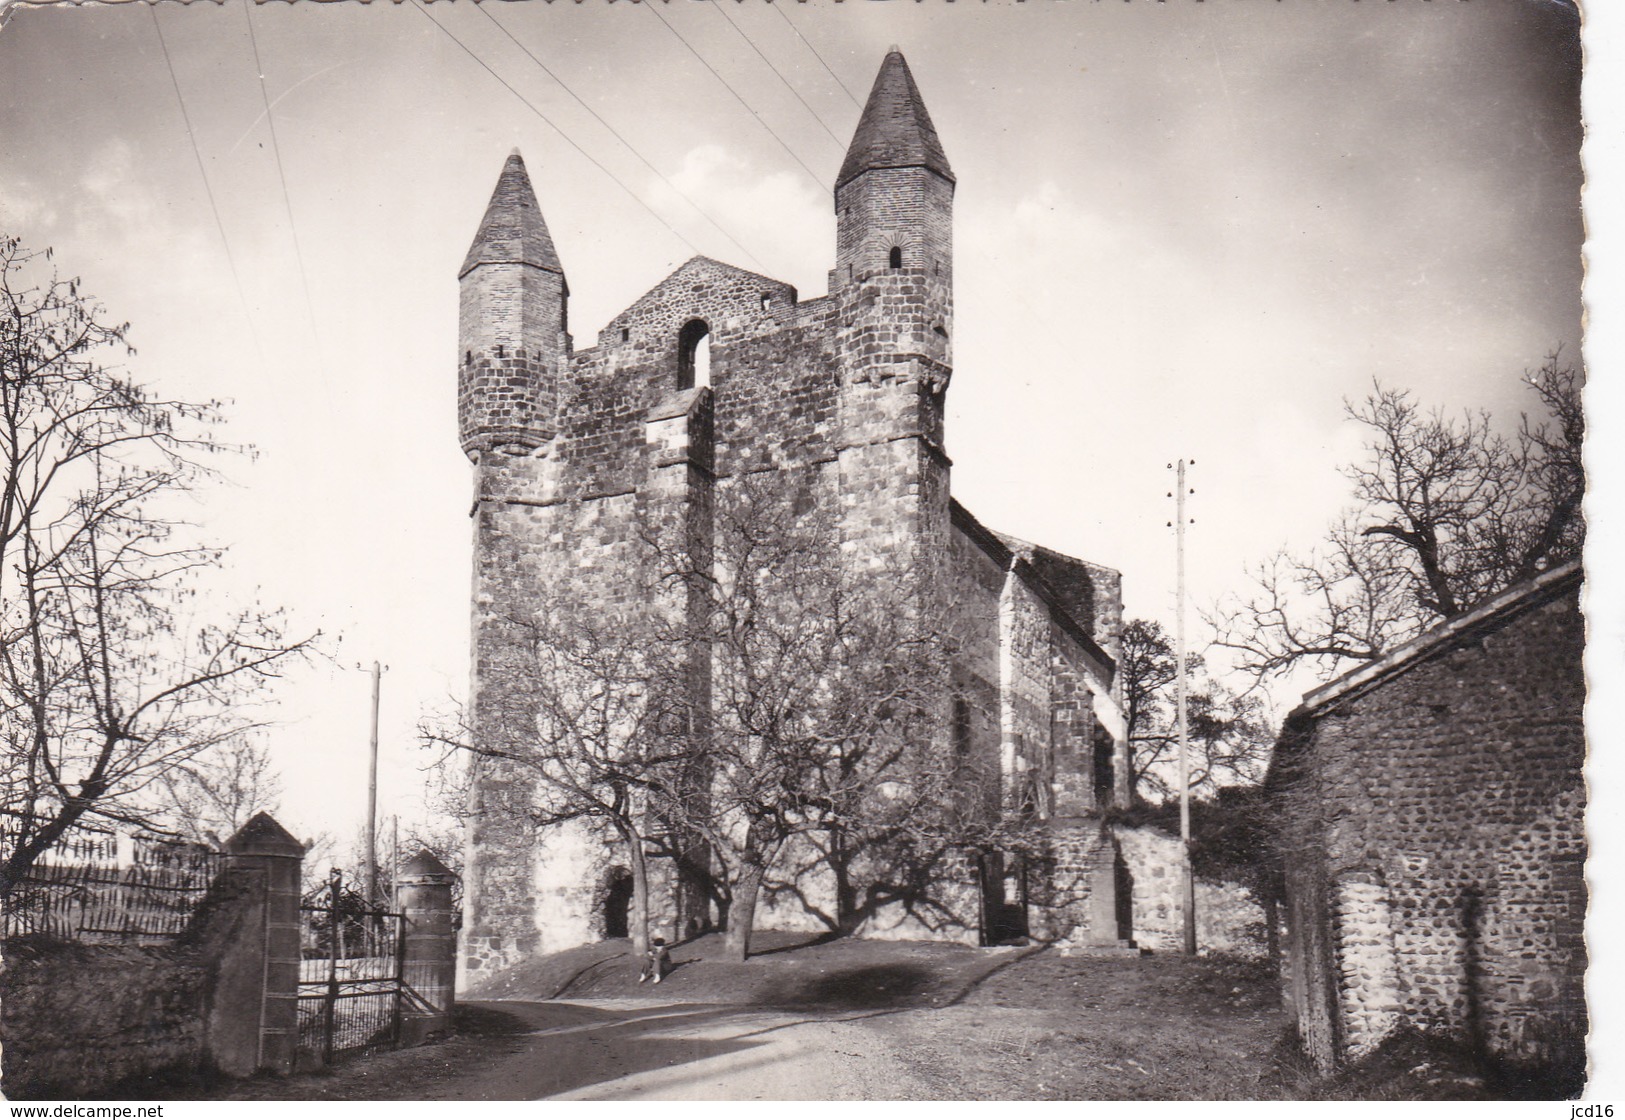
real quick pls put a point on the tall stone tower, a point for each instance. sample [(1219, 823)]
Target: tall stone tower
[(512, 323), (893, 282), (513, 357), (586, 459)]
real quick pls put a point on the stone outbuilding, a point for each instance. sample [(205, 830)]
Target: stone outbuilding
[(1432, 806)]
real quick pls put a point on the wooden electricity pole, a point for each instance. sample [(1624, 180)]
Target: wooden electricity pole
[(1189, 875), (372, 795)]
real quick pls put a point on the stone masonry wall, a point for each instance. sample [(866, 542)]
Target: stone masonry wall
[(1024, 690), (1072, 899), (1091, 594), (1452, 800), (847, 390), (1368, 977), (908, 207), (974, 583), (1228, 918), (77, 1017), (1072, 727), (568, 522)]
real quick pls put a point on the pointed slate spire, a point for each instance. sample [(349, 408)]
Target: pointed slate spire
[(513, 231), (895, 130)]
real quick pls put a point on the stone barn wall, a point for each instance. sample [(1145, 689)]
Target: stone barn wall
[(1438, 805)]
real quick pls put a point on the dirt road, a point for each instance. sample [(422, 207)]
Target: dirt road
[(625, 1049), (845, 1021)]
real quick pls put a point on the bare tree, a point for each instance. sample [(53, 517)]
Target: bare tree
[(585, 721), (1229, 735), (106, 684), (751, 710), (1449, 512), (824, 711), (745, 697), (210, 796)]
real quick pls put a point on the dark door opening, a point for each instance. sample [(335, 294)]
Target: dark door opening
[(1004, 899), (618, 904), (1103, 749), (1123, 882)]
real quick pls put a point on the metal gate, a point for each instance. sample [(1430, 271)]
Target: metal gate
[(349, 975)]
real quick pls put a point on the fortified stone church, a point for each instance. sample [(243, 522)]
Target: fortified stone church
[(580, 453)]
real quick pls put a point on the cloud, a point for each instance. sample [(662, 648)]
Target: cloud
[(777, 216)]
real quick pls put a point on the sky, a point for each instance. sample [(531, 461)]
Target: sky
[(1183, 229)]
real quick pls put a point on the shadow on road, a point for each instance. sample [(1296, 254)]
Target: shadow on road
[(474, 1020), (859, 989), (570, 1047)]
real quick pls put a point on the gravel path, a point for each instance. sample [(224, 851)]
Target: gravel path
[(847, 1022)]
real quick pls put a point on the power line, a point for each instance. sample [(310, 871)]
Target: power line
[(752, 44), (626, 143), (276, 150), (737, 96), (202, 174), (562, 135), (852, 97)]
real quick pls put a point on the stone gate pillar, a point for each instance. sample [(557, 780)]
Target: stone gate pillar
[(254, 1020), (423, 896)]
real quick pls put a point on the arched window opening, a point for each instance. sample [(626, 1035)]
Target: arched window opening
[(694, 355), (896, 256)]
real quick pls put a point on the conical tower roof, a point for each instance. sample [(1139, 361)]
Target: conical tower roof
[(513, 231), (895, 130)]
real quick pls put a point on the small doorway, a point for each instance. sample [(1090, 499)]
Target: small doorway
[(1004, 899), (1123, 884), (618, 904)]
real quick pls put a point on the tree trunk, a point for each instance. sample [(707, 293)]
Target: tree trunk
[(1272, 926), (638, 921), (742, 912), (847, 917)]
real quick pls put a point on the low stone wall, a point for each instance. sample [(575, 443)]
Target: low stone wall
[(1228, 918), (78, 1017)]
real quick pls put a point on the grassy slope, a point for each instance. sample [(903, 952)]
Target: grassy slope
[(785, 970)]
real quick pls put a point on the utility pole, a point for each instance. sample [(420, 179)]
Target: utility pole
[(1184, 737), (372, 795)]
